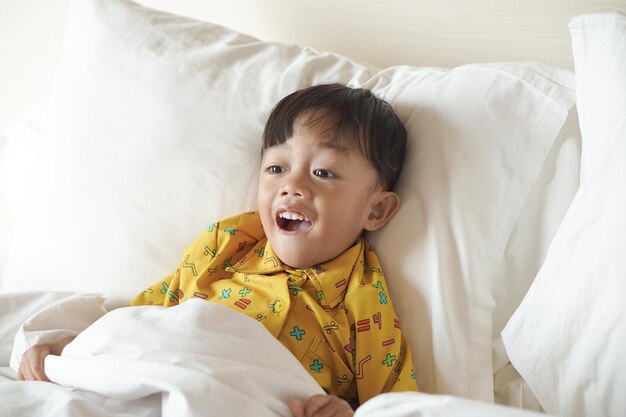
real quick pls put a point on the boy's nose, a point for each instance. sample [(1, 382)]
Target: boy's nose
[(290, 190), (286, 193), (295, 186)]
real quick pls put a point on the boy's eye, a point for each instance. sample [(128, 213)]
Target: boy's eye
[(275, 169), (323, 173)]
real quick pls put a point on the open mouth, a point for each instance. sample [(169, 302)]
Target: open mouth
[(292, 221)]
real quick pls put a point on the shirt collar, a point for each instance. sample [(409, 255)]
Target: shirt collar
[(330, 278)]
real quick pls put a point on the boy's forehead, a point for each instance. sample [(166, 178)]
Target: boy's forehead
[(324, 142), (328, 129)]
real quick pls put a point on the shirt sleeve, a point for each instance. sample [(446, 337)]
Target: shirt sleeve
[(206, 260), (167, 291), (156, 293)]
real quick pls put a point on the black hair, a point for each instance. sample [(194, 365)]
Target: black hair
[(361, 117)]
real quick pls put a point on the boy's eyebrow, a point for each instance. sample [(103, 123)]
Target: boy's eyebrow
[(330, 143), (336, 146)]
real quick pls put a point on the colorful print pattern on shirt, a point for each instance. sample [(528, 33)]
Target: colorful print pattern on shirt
[(336, 318)]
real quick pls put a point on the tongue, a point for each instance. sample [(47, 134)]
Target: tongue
[(296, 225)]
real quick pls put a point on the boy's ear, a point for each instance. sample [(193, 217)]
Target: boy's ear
[(385, 205)]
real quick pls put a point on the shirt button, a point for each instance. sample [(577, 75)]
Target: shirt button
[(278, 306)]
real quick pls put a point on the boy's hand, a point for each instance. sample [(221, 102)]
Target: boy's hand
[(321, 406), (31, 367)]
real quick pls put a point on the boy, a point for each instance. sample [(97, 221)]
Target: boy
[(300, 265)]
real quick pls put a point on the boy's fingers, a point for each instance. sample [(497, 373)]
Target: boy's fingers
[(315, 404), (32, 375), (32, 367), (327, 406), (23, 372), (296, 407), (39, 373)]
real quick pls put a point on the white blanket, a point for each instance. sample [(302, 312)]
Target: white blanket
[(197, 359)]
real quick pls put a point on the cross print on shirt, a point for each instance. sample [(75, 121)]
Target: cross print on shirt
[(297, 333)]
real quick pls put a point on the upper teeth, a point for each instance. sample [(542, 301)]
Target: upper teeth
[(290, 215)]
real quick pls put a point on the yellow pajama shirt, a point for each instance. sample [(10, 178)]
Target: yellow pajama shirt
[(336, 318)]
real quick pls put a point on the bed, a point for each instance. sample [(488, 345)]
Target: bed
[(139, 125)]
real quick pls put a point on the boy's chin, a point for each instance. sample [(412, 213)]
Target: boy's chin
[(297, 264), (304, 256), (297, 261)]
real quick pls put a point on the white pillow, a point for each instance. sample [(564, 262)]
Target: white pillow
[(568, 337), (478, 144), (18, 150), (155, 125), (20, 154), (5, 215), (526, 249)]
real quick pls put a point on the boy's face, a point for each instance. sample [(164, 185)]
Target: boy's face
[(315, 198)]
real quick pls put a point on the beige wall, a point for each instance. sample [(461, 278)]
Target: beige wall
[(441, 33), (30, 40)]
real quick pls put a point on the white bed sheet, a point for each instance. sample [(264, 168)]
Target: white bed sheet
[(416, 404), (198, 358)]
